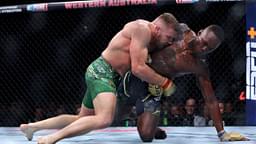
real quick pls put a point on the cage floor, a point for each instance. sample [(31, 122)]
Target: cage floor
[(129, 135)]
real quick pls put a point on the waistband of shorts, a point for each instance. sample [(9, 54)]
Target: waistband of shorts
[(101, 57)]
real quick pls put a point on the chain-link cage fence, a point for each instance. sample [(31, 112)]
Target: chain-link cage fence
[(44, 56)]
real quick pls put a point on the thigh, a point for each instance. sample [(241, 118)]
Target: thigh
[(100, 79), (148, 111), (105, 104), (147, 124), (85, 111)]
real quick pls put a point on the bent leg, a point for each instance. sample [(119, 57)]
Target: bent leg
[(148, 110), (53, 123), (146, 125), (104, 106)]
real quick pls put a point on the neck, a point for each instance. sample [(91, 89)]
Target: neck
[(152, 44), (152, 27)]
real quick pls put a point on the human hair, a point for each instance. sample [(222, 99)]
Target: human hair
[(169, 19), (218, 31)]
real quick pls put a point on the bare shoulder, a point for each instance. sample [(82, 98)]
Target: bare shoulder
[(138, 25)]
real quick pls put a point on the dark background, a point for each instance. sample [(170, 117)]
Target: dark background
[(18, 2), (43, 56)]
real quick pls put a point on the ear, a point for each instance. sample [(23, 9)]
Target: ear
[(199, 32), (157, 28)]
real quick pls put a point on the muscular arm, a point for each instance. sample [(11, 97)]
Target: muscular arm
[(210, 100), (140, 39)]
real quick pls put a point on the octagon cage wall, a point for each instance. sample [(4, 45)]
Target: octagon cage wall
[(44, 56)]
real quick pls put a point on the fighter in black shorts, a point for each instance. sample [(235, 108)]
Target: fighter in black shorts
[(184, 57)]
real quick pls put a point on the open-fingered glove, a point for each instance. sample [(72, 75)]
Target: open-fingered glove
[(167, 89)]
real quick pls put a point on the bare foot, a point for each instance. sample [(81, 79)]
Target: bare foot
[(46, 140), (27, 130)]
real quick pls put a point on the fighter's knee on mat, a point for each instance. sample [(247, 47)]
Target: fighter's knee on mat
[(104, 122), (147, 139), (147, 135)]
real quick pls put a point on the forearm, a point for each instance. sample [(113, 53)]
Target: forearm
[(215, 115), (147, 74)]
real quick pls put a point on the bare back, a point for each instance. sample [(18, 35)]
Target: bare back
[(117, 52), (171, 63)]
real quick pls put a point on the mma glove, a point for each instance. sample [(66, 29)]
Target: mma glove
[(166, 89), (232, 136)]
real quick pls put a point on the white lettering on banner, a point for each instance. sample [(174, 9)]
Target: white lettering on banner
[(250, 70), (107, 3)]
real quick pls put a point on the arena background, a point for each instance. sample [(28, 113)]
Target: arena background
[(44, 56)]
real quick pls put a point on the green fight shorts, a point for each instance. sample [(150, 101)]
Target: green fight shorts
[(99, 78)]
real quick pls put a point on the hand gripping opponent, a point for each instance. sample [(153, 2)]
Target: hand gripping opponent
[(232, 136), (166, 89), (188, 35)]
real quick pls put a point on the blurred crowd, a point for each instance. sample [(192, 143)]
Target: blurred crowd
[(191, 112)]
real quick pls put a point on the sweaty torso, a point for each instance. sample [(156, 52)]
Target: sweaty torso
[(172, 63), (117, 51)]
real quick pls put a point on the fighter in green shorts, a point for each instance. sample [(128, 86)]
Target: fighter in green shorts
[(127, 50), (99, 78)]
